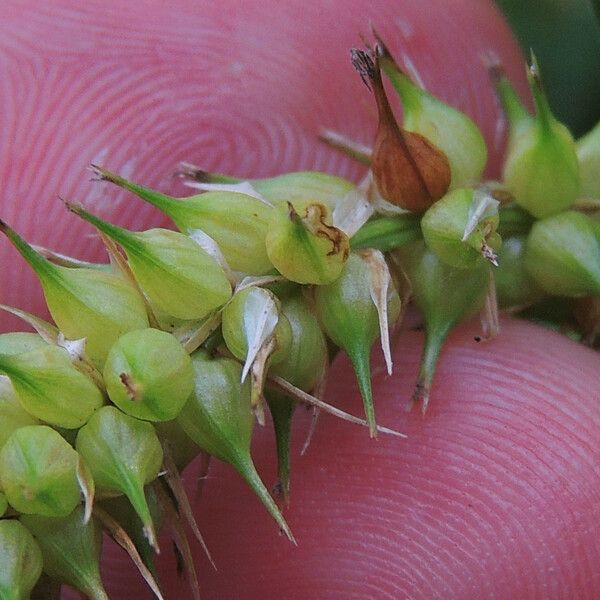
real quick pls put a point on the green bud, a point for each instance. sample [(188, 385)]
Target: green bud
[(123, 454), (350, 317), (218, 417), (563, 254), (12, 414), (450, 130), (85, 303), (251, 320), (445, 295), (515, 287), (304, 366), (149, 375), (238, 223), (49, 387), (70, 550), (38, 472), (179, 278), (3, 504), (298, 187), (20, 561), (588, 155), (305, 247), (541, 168)]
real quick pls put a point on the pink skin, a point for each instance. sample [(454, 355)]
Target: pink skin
[(495, 494)]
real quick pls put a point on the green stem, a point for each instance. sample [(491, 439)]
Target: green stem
[(387, 233)]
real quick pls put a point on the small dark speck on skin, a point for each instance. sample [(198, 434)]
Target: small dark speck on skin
[(477, 338)]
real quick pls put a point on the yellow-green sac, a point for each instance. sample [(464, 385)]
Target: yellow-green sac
[(304, 246), (50, 388), (541, 169), (38, 472), (149, 375), (123, 454), (178, 277), (20, 561), (85, 303)]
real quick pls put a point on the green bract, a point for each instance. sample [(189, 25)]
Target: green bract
[(20, 561), (149, 375), (123, 454), (12, 414), (38, 472), (588, 155), (49, 387)]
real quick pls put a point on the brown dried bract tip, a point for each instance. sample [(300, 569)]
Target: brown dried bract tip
[(409, 171)]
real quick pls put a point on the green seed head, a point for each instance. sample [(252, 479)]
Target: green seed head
[(304, 246), (461, 228), (541, 168), (450, 130), (123, 454), (236, 222), (20, 561), (85, 303), (179, 278), (563, 254), (349, 316), (70, 550), (149, 375), (218, 417), (49, 387), (38, 472), (3, 504)]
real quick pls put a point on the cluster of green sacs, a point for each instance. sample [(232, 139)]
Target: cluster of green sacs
[(99, 420)]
